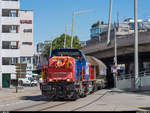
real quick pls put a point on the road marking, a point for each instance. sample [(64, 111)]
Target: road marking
[(140, 106)]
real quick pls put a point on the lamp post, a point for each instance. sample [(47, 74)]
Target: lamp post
[(51, 48), (136, 59), (74, 14), (65, 37), (109, 25), (115, 58)]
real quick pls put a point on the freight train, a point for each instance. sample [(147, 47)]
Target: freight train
[(68, 75)]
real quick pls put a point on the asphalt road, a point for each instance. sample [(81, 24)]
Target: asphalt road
[(30, 99)]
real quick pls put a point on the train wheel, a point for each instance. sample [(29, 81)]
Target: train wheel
[(75, 96)]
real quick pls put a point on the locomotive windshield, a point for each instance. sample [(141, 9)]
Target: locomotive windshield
[(67, 52)]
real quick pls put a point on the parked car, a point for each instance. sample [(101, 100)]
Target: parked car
[(28, 81)]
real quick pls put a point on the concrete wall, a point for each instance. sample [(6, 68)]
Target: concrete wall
[(125, 84)]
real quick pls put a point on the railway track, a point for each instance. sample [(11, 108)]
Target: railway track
[(53, 104), (76, 109), (42, 106)]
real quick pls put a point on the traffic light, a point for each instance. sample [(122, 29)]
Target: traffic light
[(21, 70)]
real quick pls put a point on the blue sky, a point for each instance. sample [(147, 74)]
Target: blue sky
[(51, 16)]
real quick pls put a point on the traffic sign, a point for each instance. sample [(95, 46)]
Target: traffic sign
[(114, 69)]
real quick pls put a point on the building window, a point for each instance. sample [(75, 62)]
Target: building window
[(10, 12), (10, 45), (10, 28), (23, 60), (29, 60), (10, 0), (26, 60), (9, 61)]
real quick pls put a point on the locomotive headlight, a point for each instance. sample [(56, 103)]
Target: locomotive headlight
[(69, 80), (50, 80)]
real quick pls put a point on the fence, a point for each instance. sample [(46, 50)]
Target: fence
[(126, 81)]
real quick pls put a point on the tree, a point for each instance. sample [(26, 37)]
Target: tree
[(58, 43)]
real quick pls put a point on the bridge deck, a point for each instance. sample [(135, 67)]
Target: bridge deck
[(125, 46)]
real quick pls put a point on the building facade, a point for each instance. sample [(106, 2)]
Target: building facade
[(13, 42), (26, 39), (99, 30), (39, 59)]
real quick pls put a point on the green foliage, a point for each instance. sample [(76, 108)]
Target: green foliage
[(58, 43), (96, 24)]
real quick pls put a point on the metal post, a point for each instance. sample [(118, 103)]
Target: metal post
[(109, 25), (115, 59), (77, 13), (136, 43), (65, 36), (51, 49), (72, 29), (99, 34)]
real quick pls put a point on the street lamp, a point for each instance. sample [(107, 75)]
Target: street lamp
[(109, 25), (77, 13), (65, 37), (136, 59), (51, 44), (115, 58)]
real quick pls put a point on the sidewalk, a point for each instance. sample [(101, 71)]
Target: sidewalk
[(116, 90)]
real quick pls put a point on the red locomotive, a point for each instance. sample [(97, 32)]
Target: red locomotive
[(68, 75)]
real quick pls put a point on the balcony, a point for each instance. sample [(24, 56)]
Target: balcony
[(10, 4)]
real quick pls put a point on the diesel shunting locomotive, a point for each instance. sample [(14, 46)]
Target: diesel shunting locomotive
[(68, 75)]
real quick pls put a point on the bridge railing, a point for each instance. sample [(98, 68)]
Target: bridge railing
[(129, 76)]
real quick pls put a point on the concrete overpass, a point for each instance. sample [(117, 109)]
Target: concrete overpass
[(125, 49), (125, 56)]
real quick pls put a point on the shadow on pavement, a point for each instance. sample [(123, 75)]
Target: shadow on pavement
[(34, 98), (41, 98), (115, 90), (145, 108)]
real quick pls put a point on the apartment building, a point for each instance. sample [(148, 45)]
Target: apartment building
[(14, 42)]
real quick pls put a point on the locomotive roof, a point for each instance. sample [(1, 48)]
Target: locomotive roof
[(67, 50)]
